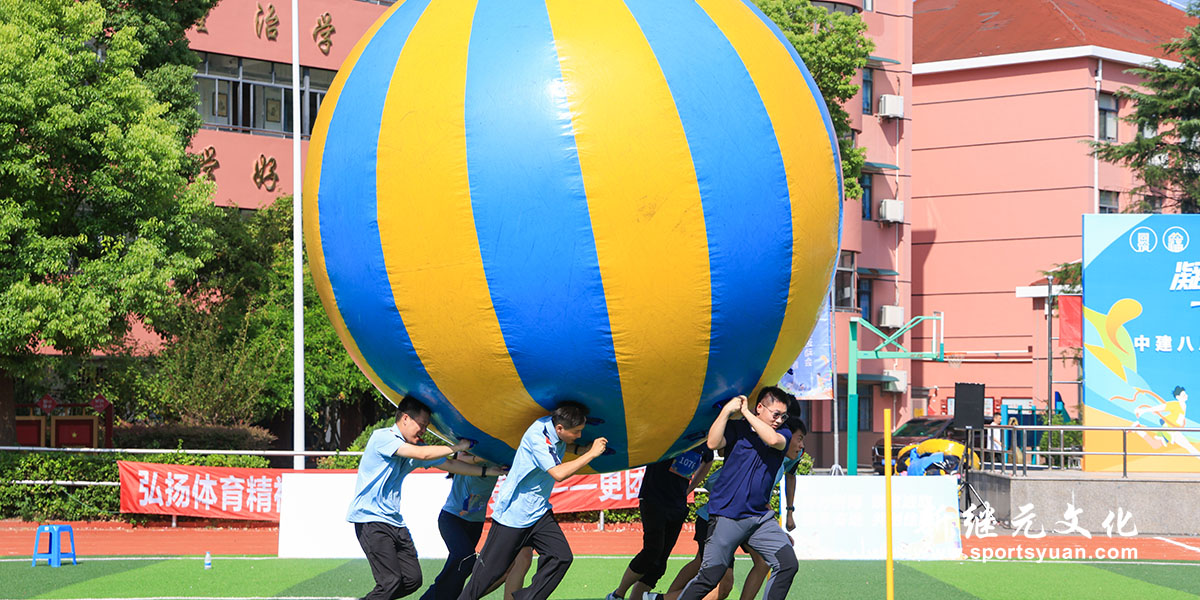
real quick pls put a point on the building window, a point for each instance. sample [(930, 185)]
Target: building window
[(1152, 204), (256, 95), (835, 7), (865, 393), (1108, 202), (868, 4), (868, 91), (1108, 117), (843, 281), (868, 199), (864, 298)]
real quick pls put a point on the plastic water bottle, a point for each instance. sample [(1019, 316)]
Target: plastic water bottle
[(207, 561)]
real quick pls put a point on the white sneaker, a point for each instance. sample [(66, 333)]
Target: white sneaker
[(612, 596), (652, 596)]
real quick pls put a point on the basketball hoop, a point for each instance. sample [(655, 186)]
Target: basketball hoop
[(955, 359)]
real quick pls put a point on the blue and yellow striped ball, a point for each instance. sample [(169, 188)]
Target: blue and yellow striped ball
[(633, 204)]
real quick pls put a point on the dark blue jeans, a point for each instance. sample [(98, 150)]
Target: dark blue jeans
[(461, 537)]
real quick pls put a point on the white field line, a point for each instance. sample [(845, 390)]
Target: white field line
[(1180, 544)]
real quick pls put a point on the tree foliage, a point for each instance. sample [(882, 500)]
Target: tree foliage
[(167, 66), (834, 47), (1165, 151), (232, 362), (330, 375), (97, 221)]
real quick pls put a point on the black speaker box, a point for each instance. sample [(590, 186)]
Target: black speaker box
[(968, 405)]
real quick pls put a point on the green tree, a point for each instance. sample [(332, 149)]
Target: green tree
[(1165, 152), (167, 65), (834, 47), (330, 375), (98, 224), (240, 324)]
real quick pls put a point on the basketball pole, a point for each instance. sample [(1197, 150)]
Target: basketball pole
[(887, 478)]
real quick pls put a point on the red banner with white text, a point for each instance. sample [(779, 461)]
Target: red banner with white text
[(247, 493), (607, 491), (212, 492)]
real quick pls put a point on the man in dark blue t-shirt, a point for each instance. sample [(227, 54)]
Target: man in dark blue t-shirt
[(739, 503)]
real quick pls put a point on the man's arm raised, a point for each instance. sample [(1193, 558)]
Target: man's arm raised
[(569, 468), (765, 432), (716, 432), (460, 467), (416, 452)]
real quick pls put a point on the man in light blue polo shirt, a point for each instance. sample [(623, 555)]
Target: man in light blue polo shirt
[(390, 455), (522, 516)]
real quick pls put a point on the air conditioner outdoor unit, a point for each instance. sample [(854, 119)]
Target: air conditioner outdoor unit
[(901, 383), (891, 106), (891, 316), (891, 211)]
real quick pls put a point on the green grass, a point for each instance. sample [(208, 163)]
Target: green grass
[(590, 578)]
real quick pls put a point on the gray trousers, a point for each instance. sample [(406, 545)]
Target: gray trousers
[(764, 535)]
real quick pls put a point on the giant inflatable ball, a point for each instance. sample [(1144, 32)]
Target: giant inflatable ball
[(631, 204)]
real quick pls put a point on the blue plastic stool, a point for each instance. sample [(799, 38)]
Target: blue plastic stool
[(55, 554)]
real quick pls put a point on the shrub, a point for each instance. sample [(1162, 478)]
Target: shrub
[(1052, 440), (197, 437), (62, 503)]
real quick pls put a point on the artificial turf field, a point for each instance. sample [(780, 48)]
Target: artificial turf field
[(592, 577)]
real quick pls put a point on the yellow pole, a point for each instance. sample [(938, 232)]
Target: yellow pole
[(887, 477)]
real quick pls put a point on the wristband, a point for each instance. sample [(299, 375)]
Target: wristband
[(483, 470), (791, 509)]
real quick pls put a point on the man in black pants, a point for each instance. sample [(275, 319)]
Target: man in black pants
[(390, 455), (663, 507), (739, 505), (522, 515)]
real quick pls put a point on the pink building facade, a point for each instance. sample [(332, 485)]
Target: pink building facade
[(875, 266), (245, 86), (1006, 99)]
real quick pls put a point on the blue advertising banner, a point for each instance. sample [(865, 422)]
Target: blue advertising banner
[(811, 376), (1141, 338)]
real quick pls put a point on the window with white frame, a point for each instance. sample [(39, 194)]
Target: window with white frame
[(1152, 204), (256, 95), (1109, 202), (835, 7), (843, 281), (1108, 117)]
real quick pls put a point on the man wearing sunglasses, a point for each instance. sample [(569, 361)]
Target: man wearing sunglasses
[(739, 503)]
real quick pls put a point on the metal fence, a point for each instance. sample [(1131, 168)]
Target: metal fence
[(134, 451), (1019, 447)]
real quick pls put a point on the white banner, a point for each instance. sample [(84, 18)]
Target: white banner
[(312, 515), (843, 518)]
